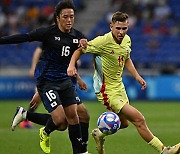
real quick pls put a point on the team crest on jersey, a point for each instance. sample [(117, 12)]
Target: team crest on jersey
[(53, 104), (75, 41), (112, 52)]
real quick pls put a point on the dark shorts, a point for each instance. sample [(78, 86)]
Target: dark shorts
[(57, 93)]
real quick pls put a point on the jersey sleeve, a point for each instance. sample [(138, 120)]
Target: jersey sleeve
[(95, 46), (128, 45), (36, 35), (14, 39)]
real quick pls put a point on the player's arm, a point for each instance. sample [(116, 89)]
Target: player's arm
[(81, 83), (35, 35), (71, 71), (35, 59), (14, 39), (131, 68), (34, 103)]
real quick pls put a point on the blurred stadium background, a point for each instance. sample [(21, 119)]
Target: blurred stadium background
[(154, 30), (155, 33)]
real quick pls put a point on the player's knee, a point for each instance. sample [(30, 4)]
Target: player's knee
[(140, 121), (63, 126), (84, 115), (59, 121), (72, 119)]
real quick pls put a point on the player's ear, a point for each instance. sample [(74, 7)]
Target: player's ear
[(128, 25), (111, 26), (57, 18)]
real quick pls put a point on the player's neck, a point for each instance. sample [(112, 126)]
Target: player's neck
[(63, 30)]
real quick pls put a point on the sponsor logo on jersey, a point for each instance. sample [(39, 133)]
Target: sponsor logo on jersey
[(75, 41), (78, 99), (79, 139), (53, 104), (57, 38)]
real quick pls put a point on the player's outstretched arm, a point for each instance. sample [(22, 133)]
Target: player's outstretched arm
[(14, 39), (131, 68), (71, 71)]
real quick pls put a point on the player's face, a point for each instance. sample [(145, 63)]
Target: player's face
[(65, 20), (119, 30)]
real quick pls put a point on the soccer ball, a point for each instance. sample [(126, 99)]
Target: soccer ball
[(108, 123)]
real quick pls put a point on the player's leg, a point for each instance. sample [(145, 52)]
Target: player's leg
[(96, 133), (38, 118), (58, 118), (114, 101), (99, 137), (48, 92), (172, 150), (124, 121), (70, 101), (22, 115), (84, 123), (134, 116), (74, 127), (19, 116), (26, 123), (34, 103)]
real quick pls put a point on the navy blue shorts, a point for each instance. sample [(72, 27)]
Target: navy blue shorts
[(57, 93)]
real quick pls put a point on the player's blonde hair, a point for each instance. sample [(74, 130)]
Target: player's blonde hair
[(119, 16)]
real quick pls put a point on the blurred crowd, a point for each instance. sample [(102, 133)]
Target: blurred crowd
[(19, 16), (153, 16), (154, 27)]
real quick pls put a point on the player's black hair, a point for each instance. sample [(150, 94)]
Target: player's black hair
[(64, 4), (119, 16), (52, 19)]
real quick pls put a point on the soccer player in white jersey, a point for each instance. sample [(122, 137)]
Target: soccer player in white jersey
[(112, 54)]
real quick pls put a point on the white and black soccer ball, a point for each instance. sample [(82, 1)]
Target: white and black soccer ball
[(108, 123)]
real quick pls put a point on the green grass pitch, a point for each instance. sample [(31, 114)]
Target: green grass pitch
[(163, 118)]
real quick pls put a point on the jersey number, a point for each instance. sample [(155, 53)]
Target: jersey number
[(121, 60), (50, 95), (65, 51)]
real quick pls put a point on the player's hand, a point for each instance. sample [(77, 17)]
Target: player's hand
[(83, 43), (71, 71), (82, 85), (142, 82), (34, 103)]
